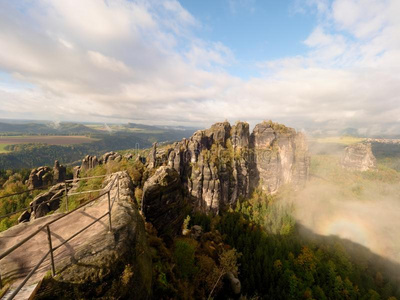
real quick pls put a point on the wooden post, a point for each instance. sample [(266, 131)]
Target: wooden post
[(66, 196), (1, 284), (53, 268), (109, 210)]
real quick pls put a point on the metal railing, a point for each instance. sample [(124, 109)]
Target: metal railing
[(66, 182), (46, 227)]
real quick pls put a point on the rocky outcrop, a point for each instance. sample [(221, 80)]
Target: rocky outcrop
[(152, 156), (218, 165), (44, 176), (359, 157), (44, 203), (59, 172), (89, 162), (281, 156), (97, 263), (163, 203), (110, 156), (39, 177)]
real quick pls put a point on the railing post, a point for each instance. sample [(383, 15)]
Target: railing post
[(109, 210), (118, 186), (66, 196), (53, 268)]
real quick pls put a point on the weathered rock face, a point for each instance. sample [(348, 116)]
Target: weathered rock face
[(59, 172), (281, 156), (40, 177), (163, 203), (44, 203), (97, 264), (90, 161), (110, 156), (359, 157), (218, 165), (43, 176)]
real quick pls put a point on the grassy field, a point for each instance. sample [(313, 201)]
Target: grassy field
[(45, 139), (2, 148)]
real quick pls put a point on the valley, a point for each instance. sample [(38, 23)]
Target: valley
[(287, 207)]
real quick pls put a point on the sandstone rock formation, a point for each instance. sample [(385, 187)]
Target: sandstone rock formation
[(218, 165), (96, 264), (59, 172), (359, 157), (44, 203), (163, 203), (89, 162), (110, 156), (281, 156), (39, 177), (105, 255), (44, 176)]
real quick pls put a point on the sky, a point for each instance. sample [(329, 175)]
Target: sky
[(305, 63)]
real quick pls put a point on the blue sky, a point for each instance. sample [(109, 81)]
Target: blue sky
[(254, 30), (306, 63)]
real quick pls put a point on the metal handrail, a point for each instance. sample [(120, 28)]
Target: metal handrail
[(84, 178), (27, 191), (51, 250), (43, 187)]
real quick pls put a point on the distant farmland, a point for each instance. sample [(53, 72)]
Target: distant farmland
[(50, 140)]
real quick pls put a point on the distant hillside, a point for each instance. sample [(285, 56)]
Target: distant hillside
[(45, 128), (108, 138)]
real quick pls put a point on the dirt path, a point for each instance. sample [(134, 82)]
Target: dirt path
[(20, 262)]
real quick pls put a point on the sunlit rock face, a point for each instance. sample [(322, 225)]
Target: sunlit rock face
[(281, 156), (220, 164), (359, 157)]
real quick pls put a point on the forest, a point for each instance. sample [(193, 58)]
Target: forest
[(260, 241)]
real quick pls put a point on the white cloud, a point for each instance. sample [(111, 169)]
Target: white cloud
[(140, 60)]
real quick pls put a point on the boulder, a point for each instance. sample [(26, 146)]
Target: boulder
[(163, 203), (196, 232), (128, 156), (234, 283), (110, 156), (42, 210), (40, 177), (55, 201), (24, 217)]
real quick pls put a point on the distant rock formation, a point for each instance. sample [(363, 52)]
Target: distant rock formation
[(219, 164), (89, 162), (359, 157), (163, 202), (43, 203), (44, 176), (59, 172), (384, 141)]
